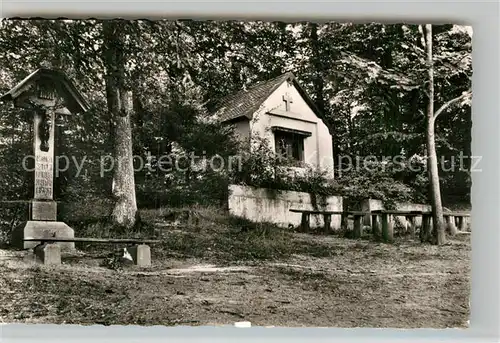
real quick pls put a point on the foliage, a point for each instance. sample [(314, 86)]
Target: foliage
[(375, 184), (367, 79)]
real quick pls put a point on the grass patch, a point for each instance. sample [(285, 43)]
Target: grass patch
[(194, 231), (230, 242), (207, 233)]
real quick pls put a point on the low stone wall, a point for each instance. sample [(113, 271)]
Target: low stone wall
[(268, 205)]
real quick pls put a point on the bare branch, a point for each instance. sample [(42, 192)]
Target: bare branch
[(450, 103)]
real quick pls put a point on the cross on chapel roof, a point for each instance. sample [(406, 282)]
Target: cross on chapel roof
[(288, 100)]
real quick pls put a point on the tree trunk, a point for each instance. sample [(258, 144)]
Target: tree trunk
[(60, 181), (125, 210), (120, 107), (432, 162), (317, 64)]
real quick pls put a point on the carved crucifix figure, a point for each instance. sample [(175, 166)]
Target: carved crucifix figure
[(45, 128), (288, 100)]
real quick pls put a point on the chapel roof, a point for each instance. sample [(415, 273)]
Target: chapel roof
[(245, 103)]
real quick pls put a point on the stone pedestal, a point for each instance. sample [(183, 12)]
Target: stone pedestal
[(411, 225), (450, 225), (375, 220), (358, 226), (48, 254), (141, 254), (387, 228), (43, 210), (42, 229)]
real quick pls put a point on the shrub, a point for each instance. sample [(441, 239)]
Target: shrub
[(261, 168), (11, 215)]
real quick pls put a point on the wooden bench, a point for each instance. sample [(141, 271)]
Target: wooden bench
[(50, 254), (306, 215), (458, 219), (388, 226), (327, 219), (383, 229)]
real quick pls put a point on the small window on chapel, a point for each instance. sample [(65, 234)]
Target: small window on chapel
[(289, 144)]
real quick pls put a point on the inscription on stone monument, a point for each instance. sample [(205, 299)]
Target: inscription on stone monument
[(44, 176)]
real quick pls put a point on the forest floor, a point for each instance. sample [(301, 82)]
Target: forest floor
[(269, 278)]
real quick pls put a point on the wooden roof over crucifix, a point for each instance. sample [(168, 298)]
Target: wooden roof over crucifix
[(73, 100)]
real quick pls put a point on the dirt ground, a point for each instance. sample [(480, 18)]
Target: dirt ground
[(361, 284)]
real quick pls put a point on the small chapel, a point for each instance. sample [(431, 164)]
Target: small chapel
[(282, 112)]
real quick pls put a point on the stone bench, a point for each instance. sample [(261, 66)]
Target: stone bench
[(50, 254)]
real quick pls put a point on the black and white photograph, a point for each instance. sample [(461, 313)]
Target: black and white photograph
[(235, 173)]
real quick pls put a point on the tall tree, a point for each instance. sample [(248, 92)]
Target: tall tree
[(120, 106), (432, 162)]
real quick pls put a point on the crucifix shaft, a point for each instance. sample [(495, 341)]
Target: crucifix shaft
[(44, 154)]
